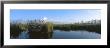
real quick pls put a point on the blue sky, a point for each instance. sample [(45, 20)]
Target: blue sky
[(60, 15)]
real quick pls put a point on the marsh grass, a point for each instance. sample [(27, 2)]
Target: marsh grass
[(48, 27)]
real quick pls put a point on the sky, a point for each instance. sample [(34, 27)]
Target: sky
[(55, 15)]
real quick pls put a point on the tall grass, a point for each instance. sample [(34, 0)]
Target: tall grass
[(46, 29), (17, 28)]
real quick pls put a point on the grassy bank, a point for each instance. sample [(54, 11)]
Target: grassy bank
[(67, 27), (17, 28), (45, 30)]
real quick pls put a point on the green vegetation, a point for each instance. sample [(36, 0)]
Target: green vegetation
[(33, 28), (17, 28), (68, 27), (49, 26)]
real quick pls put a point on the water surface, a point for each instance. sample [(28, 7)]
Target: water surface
[(58, 34), (75, 35)]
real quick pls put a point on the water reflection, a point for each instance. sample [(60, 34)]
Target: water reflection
[(23, 35), (58, 34), (40, 35), (33, 35), (16, 34)]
